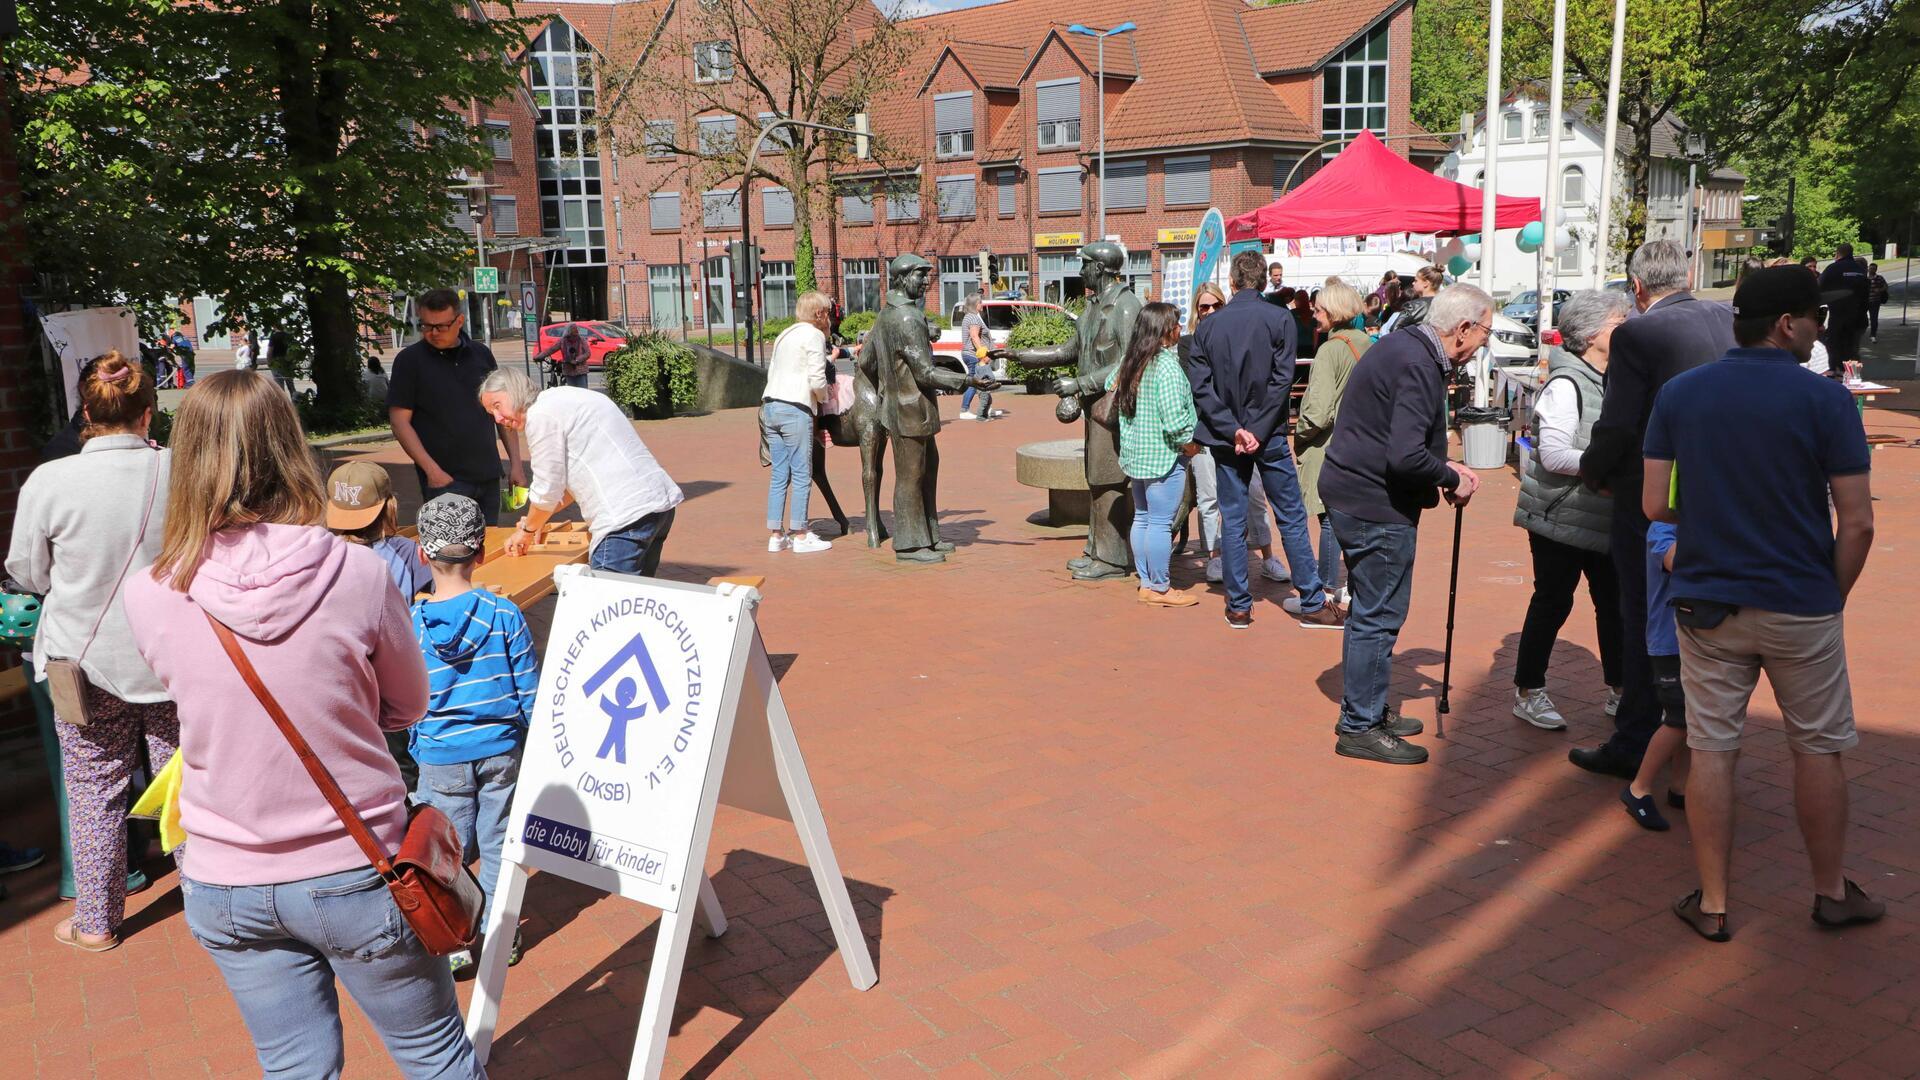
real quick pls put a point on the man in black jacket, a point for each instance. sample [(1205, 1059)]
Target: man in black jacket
[(1387, 461), (1675, 332), (1242, 369), (1847, 277)]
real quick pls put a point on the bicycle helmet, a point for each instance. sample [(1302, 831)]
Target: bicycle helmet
[(19, 618)]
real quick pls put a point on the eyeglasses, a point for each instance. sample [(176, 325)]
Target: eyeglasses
[(439, 327), (1204, 308)]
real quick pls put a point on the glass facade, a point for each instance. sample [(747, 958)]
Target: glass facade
[(863, 284), (1353, 94), (776, 290), (566, 145)]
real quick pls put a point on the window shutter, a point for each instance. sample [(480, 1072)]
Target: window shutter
[(716, 135), (1059, 100), (663, 210), (1189, 181), (506, 215), (1059, 189), (856, 209), (720, 210), (956, 196), (903, 204), (952, 112), (1126, 184), (776, 206), (660, 137), (500, 140), (1007, 181)]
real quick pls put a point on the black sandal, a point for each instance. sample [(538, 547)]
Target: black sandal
[(1708, 925)]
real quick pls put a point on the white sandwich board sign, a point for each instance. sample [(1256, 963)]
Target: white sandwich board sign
[(657, 701)]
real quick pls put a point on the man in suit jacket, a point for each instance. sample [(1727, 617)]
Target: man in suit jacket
[(898, 358), (1242, 363), (1675, 332)]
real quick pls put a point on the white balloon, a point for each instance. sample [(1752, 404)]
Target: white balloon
[(1472, 252), (1559, 215), (1562, 238)]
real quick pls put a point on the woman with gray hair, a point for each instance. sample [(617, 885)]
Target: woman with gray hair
[(1568, 525), (582, 447)]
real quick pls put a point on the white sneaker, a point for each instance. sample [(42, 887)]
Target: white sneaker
[(805, 542), (1536, 708), (967, 416), (1344, 597), (998, 413), (1613, 702), (776, 543), (1214, 573), (1273, 569)]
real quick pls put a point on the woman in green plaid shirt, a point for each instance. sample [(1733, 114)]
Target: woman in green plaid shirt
[(1154, 401)]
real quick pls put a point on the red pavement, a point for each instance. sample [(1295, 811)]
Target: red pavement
[(1092, 839)]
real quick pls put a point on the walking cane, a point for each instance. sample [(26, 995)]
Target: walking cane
[(1446, 663)]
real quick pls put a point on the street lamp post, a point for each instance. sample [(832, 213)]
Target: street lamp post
[(1100, 63)]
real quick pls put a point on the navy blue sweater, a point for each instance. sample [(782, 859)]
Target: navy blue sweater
[(1387, 460)]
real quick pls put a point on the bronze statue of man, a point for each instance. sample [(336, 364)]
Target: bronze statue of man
[(898, 358), (1096, 349)]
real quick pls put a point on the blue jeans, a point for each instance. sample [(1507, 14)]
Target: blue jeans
[(579, 380), (1380, 576), (1154, 504), (476, 796), (280, 947), (634, 549), (789, 432), (1282, 483), (977, 368), (1333, 569)]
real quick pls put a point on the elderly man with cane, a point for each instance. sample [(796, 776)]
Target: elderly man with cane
[(1388, 462)]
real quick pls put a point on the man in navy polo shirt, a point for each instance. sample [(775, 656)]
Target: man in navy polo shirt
[(434, 405), (1760, 577)]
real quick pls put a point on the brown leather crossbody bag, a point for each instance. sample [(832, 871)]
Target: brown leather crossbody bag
[(428, 876)]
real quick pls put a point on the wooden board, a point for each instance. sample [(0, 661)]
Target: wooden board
[(529, 578)]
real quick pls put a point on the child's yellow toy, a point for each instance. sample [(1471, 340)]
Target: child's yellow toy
[(161, 802)]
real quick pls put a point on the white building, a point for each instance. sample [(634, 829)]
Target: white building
[(1522, 171)]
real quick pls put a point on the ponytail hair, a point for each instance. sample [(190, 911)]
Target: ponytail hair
[(116, 393)]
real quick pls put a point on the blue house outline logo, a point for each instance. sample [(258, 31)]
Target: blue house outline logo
[(620, 705)]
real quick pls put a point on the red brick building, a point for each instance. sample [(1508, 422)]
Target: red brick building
[(1207, 103)]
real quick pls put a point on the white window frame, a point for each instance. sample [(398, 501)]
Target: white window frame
[(958, 142), (1573, 172), (1537, 127), (498, 132), (512, 205), (713, 61), (1361, 62), (1060, 133), (1513, 126)]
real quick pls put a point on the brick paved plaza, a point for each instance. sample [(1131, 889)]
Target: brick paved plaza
[(1088, 838)]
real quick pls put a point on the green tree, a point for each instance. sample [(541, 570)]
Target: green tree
[(1822, 174), (291, 158), (817, 61)]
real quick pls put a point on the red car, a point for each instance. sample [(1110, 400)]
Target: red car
[(601, 337)]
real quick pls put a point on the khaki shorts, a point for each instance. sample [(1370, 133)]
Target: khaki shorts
[(1805, 658)]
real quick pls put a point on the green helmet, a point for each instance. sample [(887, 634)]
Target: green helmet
[(19, 618)]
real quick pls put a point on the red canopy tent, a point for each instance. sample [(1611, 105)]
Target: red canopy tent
[(1368, 190)]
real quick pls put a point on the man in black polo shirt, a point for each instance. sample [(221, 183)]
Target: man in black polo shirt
[(433, 401)]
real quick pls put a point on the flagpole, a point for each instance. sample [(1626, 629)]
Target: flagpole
[(1549, 247), (1603, 240), (1488, 185)]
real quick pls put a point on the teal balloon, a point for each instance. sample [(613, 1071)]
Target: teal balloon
[(1470, 239), (1459, 265), (1532, 236)]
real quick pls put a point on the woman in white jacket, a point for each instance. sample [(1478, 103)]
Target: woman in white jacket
[(796, 385)]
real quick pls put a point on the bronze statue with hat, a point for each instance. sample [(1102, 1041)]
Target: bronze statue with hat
[(1095, 351), (898, 358)]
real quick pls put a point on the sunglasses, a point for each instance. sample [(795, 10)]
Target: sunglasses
[(1203, 308)]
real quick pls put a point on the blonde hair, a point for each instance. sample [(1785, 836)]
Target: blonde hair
[(116, 393), (1205, 288), (1341, 302), (239, 459), (810, 304)]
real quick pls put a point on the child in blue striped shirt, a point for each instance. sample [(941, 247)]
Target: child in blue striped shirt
[(481, 684)]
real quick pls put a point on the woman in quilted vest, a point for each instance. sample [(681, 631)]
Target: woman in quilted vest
[(1567, 524)]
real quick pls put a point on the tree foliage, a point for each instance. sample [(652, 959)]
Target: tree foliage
[(817, 61), (289, 158)]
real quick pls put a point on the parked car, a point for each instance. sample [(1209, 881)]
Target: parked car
[(1524, 308), (1512, 343), (602, 338)]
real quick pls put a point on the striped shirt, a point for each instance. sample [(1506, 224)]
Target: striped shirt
[(482, 678), (1162, 420)]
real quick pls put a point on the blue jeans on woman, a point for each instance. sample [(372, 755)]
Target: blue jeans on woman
[(475, 796), (789, 434), (1154, 504), (977, 368), (635, 548), (280, 948)]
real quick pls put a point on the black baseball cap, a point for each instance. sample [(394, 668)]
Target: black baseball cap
[(1780, 290)]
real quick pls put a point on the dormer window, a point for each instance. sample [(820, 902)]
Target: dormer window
[(713, 61), (1057, 108), (953, 125)]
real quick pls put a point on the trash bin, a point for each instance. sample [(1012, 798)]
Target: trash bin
[(1483, 436)]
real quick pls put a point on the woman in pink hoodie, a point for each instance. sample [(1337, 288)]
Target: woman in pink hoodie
[(275, 889)]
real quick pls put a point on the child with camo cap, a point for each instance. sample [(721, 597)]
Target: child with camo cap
[(481, 683)]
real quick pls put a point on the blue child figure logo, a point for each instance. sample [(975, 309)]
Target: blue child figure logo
[(620, 706)]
